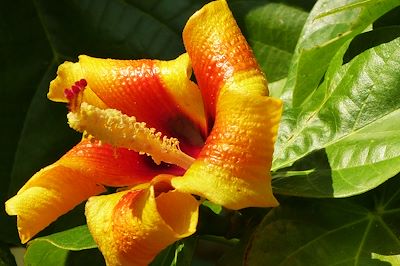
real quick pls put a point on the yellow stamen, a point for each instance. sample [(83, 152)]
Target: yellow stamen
[(120, 130)]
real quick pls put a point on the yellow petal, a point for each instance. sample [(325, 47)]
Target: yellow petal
[(132, 227), (50, 193), (67, 74), (233, 168)]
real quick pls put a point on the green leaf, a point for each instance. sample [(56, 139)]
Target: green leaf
[(370, 39), (20, 73), (272, 30), (71, 247), (44, 253), (350, 124), (180, 253), (330, 24), (393, 259), (330, 231), (6, 257), (77, 238), (217, 209)]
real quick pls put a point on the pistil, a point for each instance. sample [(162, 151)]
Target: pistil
[(120, 130)]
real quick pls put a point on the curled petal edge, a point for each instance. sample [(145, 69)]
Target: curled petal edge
[(50, 193), (131, 227)]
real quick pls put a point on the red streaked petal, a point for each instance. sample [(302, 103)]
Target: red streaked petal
[(233, 167), (159, 93), (114, 166), (132, 227), (220, 55), (50, 193)]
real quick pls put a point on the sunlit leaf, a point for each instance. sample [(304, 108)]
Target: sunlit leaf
[(44, 253), (41, 253), (217, 209), (77, 238), (392, 259), (345, 138), (330, 25)]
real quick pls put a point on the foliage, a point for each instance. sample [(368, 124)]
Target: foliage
[(336, 65)]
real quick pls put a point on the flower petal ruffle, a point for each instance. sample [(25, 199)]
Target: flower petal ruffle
[(132, 227), (220, 55), (233, 167), (50, 193), (159, 93)]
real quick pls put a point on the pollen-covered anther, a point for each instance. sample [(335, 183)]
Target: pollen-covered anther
[(73, 94), (120, 130)]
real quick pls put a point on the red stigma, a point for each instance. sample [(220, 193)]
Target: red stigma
[(82, 83), (72, 93)]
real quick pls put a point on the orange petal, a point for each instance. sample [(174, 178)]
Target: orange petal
[(50, 193), (220, 55), (132, 227), (113, 166), (233, 167), (159, 93)]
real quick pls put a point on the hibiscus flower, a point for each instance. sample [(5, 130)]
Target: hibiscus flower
[(164, 141)]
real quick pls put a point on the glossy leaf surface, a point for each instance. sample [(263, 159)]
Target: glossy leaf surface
[(344, 139)]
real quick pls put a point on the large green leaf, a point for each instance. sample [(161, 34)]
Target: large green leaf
[(330, 25), (330, 231), (346, 134)]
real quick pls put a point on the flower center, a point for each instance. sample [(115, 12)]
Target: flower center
[(120, 130)]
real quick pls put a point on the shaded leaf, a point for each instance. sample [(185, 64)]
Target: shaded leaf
[(6, 257), (330, 231), (329, 25), (20, 73), (352, 120), (272, 30), (180, 253)]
